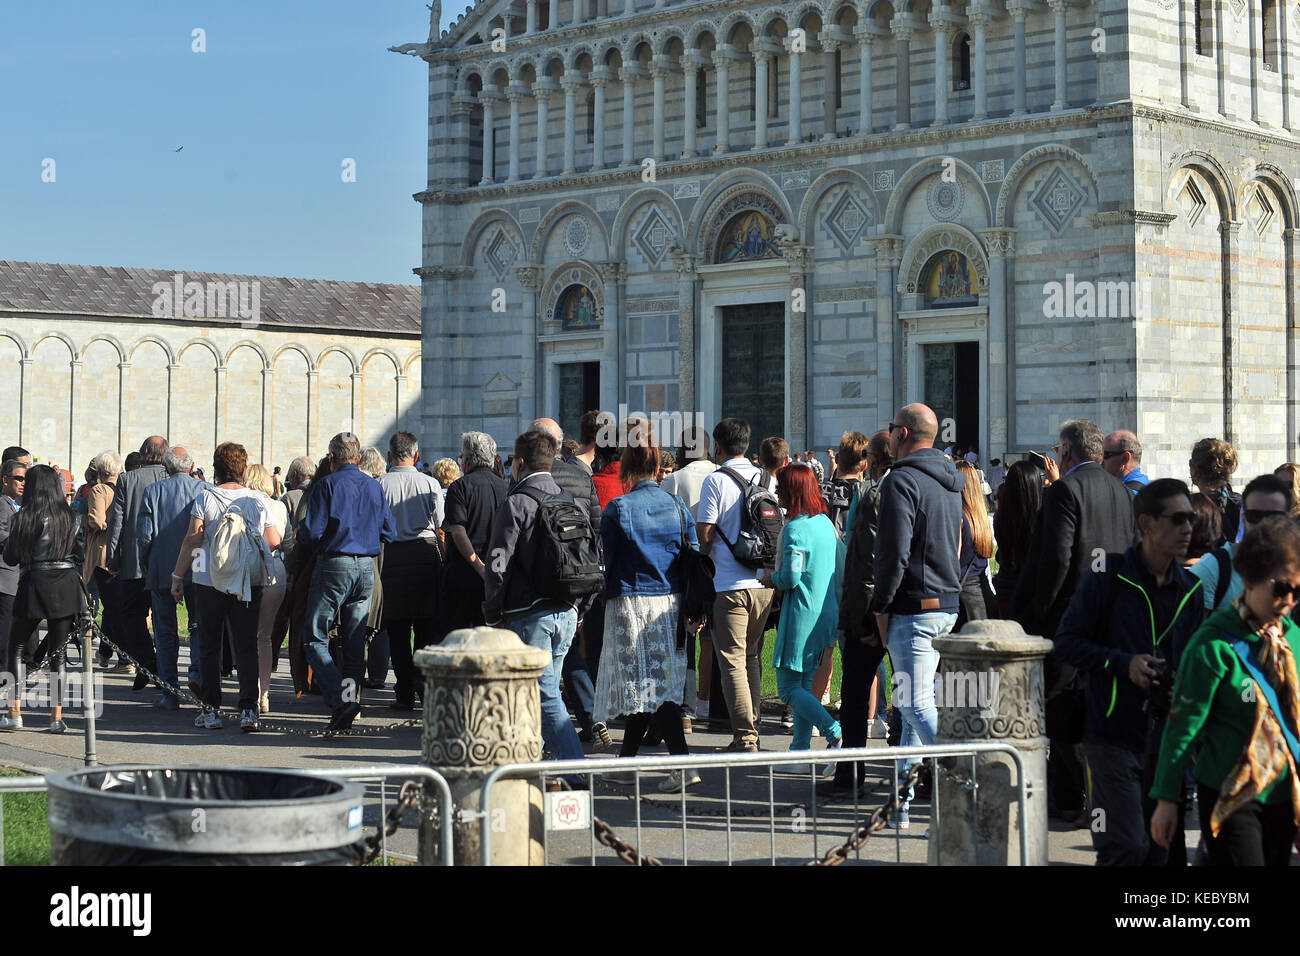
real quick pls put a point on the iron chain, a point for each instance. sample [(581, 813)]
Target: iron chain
[(626, 851), (878, 820), (407, 797)]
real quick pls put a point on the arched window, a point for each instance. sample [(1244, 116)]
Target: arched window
[(961, 62)]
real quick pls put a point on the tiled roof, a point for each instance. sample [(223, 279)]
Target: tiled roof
[(299, 303)]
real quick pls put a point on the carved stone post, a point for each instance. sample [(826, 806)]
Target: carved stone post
[(990, 687), (482, 709)]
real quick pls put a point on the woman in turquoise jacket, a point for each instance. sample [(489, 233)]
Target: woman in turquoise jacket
[(809, 569)]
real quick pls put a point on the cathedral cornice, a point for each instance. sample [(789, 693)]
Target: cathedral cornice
[(846, 146), (1204, 121)]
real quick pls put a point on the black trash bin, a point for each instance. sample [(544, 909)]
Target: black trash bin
[(202, 816)]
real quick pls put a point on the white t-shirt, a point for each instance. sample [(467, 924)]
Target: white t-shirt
[(687, 482), (211, 503), (720, 506)]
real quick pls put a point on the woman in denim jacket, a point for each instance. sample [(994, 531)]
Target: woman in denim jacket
[(643, 660)]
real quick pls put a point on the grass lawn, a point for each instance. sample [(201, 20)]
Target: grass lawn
[(26, 832), (769, 672)]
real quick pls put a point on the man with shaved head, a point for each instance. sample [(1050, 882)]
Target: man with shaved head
[(1121, 456), (917, 568)]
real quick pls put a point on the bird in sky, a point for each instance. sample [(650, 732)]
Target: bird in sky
[(178, 149)]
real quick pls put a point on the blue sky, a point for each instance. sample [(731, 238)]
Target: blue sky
[(286, 91)]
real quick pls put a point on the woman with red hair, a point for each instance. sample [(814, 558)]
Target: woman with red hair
[(809, 569)]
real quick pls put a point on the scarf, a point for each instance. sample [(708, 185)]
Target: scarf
[(1266, 755)]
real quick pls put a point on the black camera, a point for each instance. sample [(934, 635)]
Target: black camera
[(1160, 693)]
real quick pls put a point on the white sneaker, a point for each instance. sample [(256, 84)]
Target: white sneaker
[(211, 721), (11, 723), (816, 732), (673, 783), (248, 720), (829, 769), (199, 718), (878, 730)]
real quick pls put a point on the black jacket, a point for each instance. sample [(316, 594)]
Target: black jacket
[(1102, 649), (859, 563), (574, 478), (1086, 513), (916, 563)]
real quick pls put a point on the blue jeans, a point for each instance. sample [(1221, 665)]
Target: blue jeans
[(578, 686), (340, 590), (166, 636), (795, 688), (911, 649), (552, 631)]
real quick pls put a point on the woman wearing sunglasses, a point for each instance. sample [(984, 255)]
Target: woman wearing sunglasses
[(1236, 706)]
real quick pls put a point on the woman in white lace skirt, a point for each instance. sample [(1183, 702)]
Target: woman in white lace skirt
[(643, 660)]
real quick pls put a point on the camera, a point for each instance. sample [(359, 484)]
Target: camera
[(1161, 692)]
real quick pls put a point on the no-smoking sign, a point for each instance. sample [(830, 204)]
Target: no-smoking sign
[(568, 810)]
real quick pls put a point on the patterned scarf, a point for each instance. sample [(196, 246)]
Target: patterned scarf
[(1266, 754)]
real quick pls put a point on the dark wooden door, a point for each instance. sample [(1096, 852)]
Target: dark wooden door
[(753, 368)]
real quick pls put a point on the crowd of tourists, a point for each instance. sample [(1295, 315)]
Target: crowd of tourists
[(651, 575)]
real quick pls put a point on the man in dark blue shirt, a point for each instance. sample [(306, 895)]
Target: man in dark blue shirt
[(346, 523)]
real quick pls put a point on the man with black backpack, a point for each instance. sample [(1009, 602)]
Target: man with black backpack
[(543, 559), (739, 527), (1264, 497)]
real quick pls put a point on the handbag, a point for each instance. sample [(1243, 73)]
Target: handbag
[(697, 576)]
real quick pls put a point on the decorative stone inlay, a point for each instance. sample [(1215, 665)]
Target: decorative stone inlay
[(796, 179), (690, 189), (945, 199), (501, 253), (608, 202), (471, 725), (649, 306), (1057, 200), (1238, 7), (847, 219), (530, 214), (848, 293), (653, 235), (992, 170), (1259, 210), (882, 180), (576, 233), (1191, 201)]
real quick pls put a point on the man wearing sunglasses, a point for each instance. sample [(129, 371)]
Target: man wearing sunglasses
[(1122, 457), (1125, 628), (1264, 497)]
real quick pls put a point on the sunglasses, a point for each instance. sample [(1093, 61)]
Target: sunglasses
[(1282, 588), (1256, 515), (17, 477), (1180, 518), (892, 426), (1107, 456)]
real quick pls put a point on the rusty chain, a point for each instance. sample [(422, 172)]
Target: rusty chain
[(407, 797), (878, 820), (626, 851)]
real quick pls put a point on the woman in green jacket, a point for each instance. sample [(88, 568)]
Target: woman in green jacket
[(1237, 702), (809, 569)]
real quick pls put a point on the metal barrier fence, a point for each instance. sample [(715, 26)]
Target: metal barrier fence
[(377, 772), (590, 770)]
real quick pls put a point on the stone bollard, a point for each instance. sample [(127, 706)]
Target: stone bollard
[(990, 688), (482, 709)]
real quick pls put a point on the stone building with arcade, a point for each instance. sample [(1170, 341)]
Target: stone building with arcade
[(813, 211)]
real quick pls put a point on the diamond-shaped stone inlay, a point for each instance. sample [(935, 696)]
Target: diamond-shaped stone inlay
[(1237, 7), (1191, 201), (652, 236), (501, 253), (847, 219), (1260, 210), (1057, 200)]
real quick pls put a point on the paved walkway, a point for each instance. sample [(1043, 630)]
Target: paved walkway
[(130, 730)]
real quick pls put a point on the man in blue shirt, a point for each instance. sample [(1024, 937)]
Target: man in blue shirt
[(1122, 456), (346, 523)]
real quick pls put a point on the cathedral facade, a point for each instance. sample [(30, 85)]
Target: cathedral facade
[(809, 213)]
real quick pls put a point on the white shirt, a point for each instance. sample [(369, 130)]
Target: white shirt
[(720, 505), (211, 503), (687, 483)]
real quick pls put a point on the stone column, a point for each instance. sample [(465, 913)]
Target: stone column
[(174, 370), (1000, 243), (829, 116), (614, 275), (358, 381), (902, 31), (462, 106), (684, 264), (553, 16), (978, 18), (514, 94), (570, 86), (690, 64), (1001, 668), (1230, 240), (25, 382), (74, 367), (598, 78), (1284, 66), (629, 76), (801, 265), (482, 709), (1220, 55), (629, 7), (1253, 51), (660, 66), (1059, 53), (578, 12), (888, 250), (762, 62), (219, 425), (1291, 247), (542, 91), (796, 93), (1185, 52), (530, 281), (124, 389), (268, 393), (722, 67), (487, 101), (530, 17), (864, 36), (1019, 9), (940, 26)]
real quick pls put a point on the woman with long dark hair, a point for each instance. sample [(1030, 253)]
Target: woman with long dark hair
[(44, 544), (976, 601), (1020, 498)]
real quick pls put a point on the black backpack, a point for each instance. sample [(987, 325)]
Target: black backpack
[(569, 565), (761, 522), (838, 495)]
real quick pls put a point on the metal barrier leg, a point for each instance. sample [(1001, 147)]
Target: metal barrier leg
[(88, 696)]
